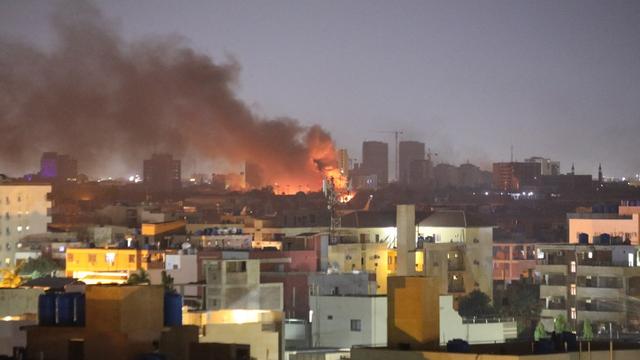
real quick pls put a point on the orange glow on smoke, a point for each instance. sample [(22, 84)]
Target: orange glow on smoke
[(322, 163)]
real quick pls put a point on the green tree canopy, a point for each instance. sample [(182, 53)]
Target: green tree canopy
[(540, 332), (476, 303), (587, 331), (520, 300), (560, 324), (35, 268)]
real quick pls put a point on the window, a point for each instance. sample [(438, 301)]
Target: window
[(573, 289), (630, 259), (132, 258), (573, 266), (110, 258), (573, 313), (356, 325), (70, 257), (330, 317), (540, 254), (590, 254), (92, 258)]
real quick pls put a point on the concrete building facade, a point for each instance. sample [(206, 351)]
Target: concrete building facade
[(24, 211)]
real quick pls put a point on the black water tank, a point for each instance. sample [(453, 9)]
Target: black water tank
[(583, 238), (458, 346)]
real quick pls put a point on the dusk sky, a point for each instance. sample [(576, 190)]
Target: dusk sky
[(559, 79)]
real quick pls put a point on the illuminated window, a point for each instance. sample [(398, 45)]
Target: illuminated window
[(630, 258), (573, 266), (540, 254), (19, 228), (573, 289), (92, 258), (110, 258), (590, 255), (573, 313)]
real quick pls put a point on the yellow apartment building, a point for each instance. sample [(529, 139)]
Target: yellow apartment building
[(99, 265)]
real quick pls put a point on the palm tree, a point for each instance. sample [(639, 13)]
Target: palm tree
[(139, 278)]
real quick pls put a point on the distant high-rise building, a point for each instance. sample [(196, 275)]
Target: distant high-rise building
[(162, 173), (420, 172), (547, 166), (409, 151), (375, 161), (509, 176), (58, 167), (343, 162)]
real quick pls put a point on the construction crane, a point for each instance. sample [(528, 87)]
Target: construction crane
[(397, 134)]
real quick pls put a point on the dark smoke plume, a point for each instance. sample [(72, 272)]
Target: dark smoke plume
[(103, 99)]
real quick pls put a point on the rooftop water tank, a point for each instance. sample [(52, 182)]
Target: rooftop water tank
[(47, 309), (172, 309)]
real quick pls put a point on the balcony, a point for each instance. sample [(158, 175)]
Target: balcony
[(455, 266)]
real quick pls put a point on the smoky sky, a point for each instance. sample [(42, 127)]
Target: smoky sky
[(559, 79), (104, 99)]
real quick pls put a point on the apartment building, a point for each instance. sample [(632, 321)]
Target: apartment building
[(24, 210), (596, 282)]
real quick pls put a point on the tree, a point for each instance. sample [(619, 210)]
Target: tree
[(560, 324), (167, 281), (139, 278), (587, 331), (476, 303), (540, 332), (35, 268), (520, 301), (10, 277)]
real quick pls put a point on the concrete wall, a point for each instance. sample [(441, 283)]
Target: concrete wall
[(369, 257), (16, 302), (384, 354), (452, 327), (613, 227), (413, 311), (262, 330), (333, 316)]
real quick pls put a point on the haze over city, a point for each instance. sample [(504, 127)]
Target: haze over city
[(319, 180), (470, 79)]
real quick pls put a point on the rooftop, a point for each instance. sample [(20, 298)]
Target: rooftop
[(455, 218)]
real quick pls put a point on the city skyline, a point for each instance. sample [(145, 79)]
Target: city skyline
[(533, 75)]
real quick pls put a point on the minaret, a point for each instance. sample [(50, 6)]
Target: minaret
[(600, 173), (573, 169)]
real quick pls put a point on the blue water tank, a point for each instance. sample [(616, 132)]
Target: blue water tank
[(65, 307), (80, 309), (47, 309), (583, 238), (172, 309)]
